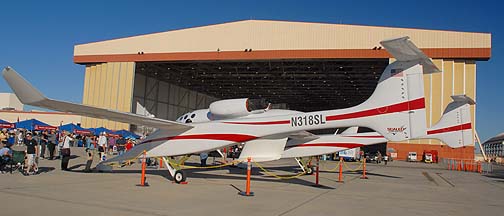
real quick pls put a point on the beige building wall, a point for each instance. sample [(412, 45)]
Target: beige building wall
[(108, 85), (51, 118), (10, 100), (458, 76), (278, 35)]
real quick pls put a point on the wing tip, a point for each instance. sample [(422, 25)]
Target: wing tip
[(26, 92)]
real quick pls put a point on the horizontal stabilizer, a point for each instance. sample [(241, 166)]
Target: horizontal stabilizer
[(402, 49), (454, 128), (463, 99)]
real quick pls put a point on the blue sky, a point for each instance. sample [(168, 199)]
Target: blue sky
[(37, 37)]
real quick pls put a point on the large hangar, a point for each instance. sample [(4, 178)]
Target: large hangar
[(295, 65)]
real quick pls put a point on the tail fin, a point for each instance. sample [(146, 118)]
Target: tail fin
[(398, 101), (454, 128)]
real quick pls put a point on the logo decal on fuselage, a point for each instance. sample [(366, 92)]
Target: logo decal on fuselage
[(307, 120), (395, 130)]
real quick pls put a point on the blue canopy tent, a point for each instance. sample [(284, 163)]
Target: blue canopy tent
[(69, 127), (98, 131), (5, 124), (126, 134), (91, 129), (34, 124), (74, 128)]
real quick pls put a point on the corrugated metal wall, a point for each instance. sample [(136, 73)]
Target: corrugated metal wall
[(108, 85), (165, 100)]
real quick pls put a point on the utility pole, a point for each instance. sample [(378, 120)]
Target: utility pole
[(480, 145)]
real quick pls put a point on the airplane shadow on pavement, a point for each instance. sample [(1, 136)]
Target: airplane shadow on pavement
[(257, 175)]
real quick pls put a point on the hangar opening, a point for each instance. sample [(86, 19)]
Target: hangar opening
[(303, 85)]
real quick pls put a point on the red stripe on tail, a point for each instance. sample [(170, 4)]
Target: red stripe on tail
[(465, 126), (404, 106)]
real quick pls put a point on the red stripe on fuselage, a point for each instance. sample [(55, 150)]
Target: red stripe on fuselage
[(404, 106), (223, 137), (365, 136), (465, 126), (343, 145), (261, 123)]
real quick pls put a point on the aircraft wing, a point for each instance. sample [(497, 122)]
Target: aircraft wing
[(402, 49), (302, 135), (350, 130), (27, 94)]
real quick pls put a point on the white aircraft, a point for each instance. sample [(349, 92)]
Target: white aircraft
[(454, 129), (396, 110)]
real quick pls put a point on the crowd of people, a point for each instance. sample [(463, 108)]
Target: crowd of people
[(52, 144)]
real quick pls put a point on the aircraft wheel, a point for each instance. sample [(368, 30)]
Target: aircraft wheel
[(179, 176), (309, 170)]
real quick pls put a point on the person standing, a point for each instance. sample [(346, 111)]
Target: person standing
[(31, 152), (65, 151), (51, 143), (43, 143), (102, 145), (3, 136), (121, 143), (379, 157), (129, 144), (203, 158), (5, 157), (11, 139), (89, 142), (111, 144), (20, 137)]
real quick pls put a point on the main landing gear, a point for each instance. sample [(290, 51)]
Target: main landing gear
[(175, 168), (305, 165)]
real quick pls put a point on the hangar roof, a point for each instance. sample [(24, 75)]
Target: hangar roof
[(279, 40)]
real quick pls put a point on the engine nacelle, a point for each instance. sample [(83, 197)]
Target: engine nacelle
[(233, 108)]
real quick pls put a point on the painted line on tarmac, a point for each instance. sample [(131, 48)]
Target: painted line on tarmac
[(303, 203), (426, 174), (444, 179), (316, 196)]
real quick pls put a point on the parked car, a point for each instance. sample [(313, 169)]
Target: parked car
[(371, 157)]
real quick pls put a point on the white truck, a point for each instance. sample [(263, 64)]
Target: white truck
[(412, 157), (350, 154)]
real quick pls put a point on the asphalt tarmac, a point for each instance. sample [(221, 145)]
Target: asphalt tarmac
[(399, 188)]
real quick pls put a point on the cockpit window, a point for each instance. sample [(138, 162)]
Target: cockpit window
[(193, 115), (185, 117)]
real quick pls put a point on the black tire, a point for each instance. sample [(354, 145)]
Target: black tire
[(179, 176), (309, 171)]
